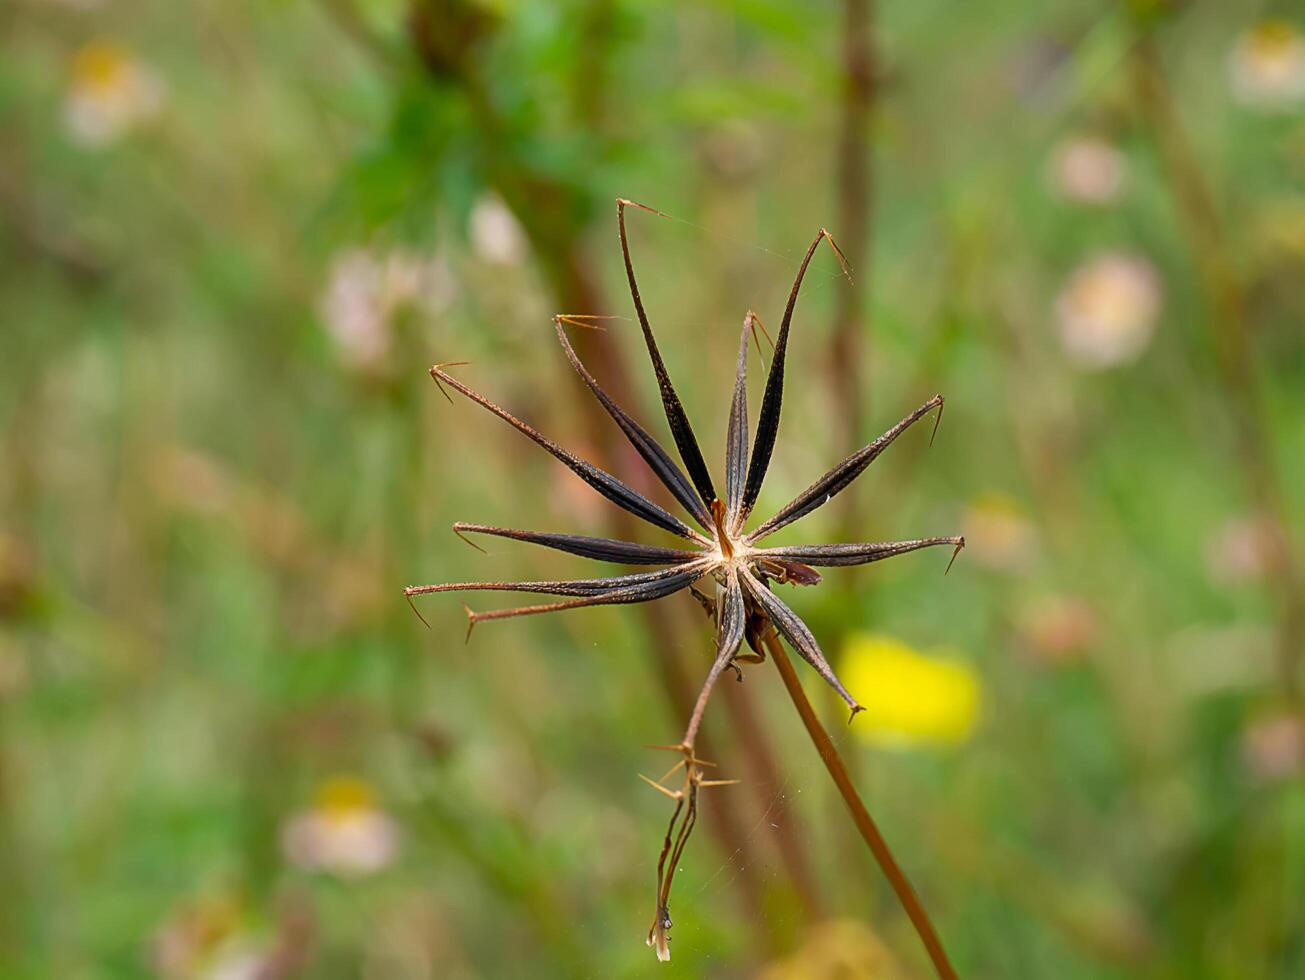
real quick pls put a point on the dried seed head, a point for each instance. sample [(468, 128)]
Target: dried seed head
[(743, 605)]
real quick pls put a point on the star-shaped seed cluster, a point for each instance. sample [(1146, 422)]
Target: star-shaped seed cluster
[(719, 552)]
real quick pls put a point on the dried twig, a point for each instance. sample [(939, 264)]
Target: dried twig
[(736, 565)]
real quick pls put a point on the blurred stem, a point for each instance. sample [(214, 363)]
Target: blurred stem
[(849, 380), (1225, 293), (16, 906), (592, 79), (848, 349), (770, 792), (860, 815), (43, 236), (1112, 930), (346, 16), (516, 880), (724, 821)]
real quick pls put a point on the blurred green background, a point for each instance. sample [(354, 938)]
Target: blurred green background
[(234, 235)]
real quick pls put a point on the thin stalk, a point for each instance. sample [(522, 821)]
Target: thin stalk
[(860, 815), (848, 352), (724, 819), (1232, 338), (851, 335)]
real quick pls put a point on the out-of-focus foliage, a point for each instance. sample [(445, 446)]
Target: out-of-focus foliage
[(233, 235)]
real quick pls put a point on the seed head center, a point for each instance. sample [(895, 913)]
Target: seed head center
[(732, 550)]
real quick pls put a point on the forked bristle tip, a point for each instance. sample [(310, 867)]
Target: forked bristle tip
[(938, 399), (623, 202), (407, 594), (582, 320), (458, 528), (960, 544), (838, 253)]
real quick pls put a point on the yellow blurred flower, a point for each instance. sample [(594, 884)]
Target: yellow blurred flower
[(345, 832), (910, 698), (1267, 66), (838, 950), (109, 92), (997, 533), (1107, 310), (1280, 227)]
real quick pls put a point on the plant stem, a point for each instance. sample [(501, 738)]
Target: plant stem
[(854, 186), (1232, 339), (860, 815)]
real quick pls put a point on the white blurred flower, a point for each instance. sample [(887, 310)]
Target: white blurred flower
[(109, 92), (998, 535), (496, 235), (1107, 310), (1243, 549), (344, 833), (367, 289), (1058, 629), (208, 940), (1267, 66), (1273, 746), (1088, 170)]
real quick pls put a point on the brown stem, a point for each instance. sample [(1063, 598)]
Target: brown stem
[(1225, 294), (724, 820), (860, 815)]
